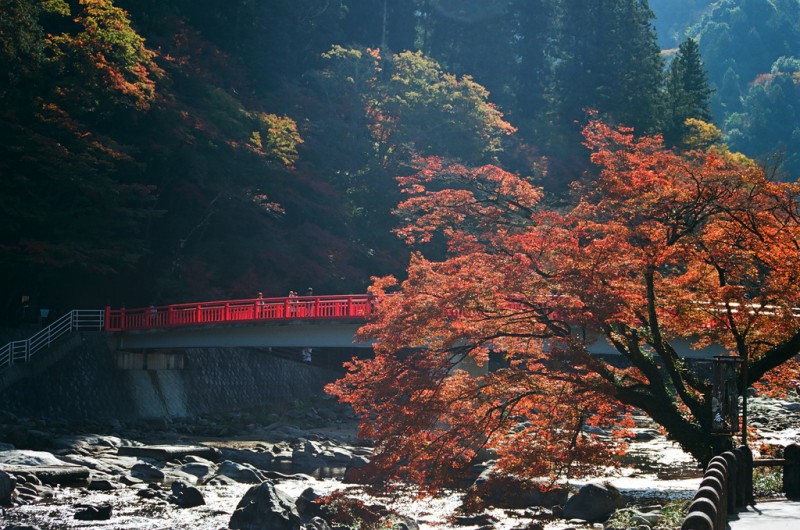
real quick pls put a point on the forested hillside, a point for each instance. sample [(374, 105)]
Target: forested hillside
[(751, 51), (156, 151)]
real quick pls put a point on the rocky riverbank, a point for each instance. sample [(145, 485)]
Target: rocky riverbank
[(262, 469)]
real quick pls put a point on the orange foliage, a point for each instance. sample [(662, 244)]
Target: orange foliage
[(659, 247)]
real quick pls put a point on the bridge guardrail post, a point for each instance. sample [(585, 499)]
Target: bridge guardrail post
[(744, 476), (730, 486), (791, 472)]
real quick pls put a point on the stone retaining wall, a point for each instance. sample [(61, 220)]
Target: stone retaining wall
[(85, 383)]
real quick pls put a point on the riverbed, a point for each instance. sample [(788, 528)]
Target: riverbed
[(308, 447)]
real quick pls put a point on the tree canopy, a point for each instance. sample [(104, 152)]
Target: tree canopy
[(225, 147), (661, 249)]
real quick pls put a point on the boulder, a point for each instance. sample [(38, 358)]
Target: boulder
[(594, 502), (185, 496), (201, 470), (244, 473), (264, 507), (101, 485), (147, 472), (306, 504), (353, 469), (166, 453), (94, 513), (317, 523), (7, 485), (23, 457)]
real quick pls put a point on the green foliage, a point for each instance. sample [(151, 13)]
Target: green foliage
[(609, 61), (622, 520), (190, 120), (435, 112), (687, 92), (671, 517), (105, 60), (411, 105), (767, 481), (673, 16), (673, 513), (22, 42), (278, 137), (770, 118)]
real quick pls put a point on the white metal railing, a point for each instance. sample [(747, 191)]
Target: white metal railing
[(21, 351)]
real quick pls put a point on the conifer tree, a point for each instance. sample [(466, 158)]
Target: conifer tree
[(608, 60), (688, 93)]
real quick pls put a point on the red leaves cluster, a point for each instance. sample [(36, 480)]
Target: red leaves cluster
[(660, 247)]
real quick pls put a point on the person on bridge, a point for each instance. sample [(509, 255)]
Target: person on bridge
[(310, 303)]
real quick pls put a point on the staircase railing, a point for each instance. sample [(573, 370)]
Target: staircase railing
[(21, 351)]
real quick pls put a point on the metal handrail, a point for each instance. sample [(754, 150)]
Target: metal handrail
[(354, 306), (21, 351)]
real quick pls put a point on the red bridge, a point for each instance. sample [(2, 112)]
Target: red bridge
[(295, 321), (333, 307)]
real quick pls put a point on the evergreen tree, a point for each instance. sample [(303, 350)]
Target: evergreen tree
[(533, 80), (607, 60), (687, 94), (475, 38)]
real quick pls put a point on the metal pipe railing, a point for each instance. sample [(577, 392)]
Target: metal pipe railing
[(21, 351)]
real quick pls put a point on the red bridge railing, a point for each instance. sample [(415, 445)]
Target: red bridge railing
[(357, 306)]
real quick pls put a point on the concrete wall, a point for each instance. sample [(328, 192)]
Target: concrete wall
[(84, 382)]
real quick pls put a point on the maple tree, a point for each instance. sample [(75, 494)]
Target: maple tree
[(660, 249)]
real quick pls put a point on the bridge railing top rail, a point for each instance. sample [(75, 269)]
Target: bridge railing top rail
[(354, 306)]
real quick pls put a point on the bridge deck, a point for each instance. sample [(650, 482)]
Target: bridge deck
[(768, 515)]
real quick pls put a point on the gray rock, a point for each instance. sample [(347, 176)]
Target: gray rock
[(306, 505), (169, 452), (94, 513), (317, 523), (646, 435), (593, 503), (356, 463), (22, 457), (244, 473), (185, 496), (101, 485), (199, 469), (265, 507), (147, 472), (130, 481), (7, 485)]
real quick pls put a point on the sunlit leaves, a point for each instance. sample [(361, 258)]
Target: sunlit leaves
[(660, 249), (109, 53)]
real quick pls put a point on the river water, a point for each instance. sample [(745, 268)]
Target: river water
[(655, 470)]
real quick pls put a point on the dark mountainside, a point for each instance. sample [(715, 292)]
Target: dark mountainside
[(174, 150)]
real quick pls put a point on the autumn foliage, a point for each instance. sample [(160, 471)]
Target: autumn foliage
[(660, 250)]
